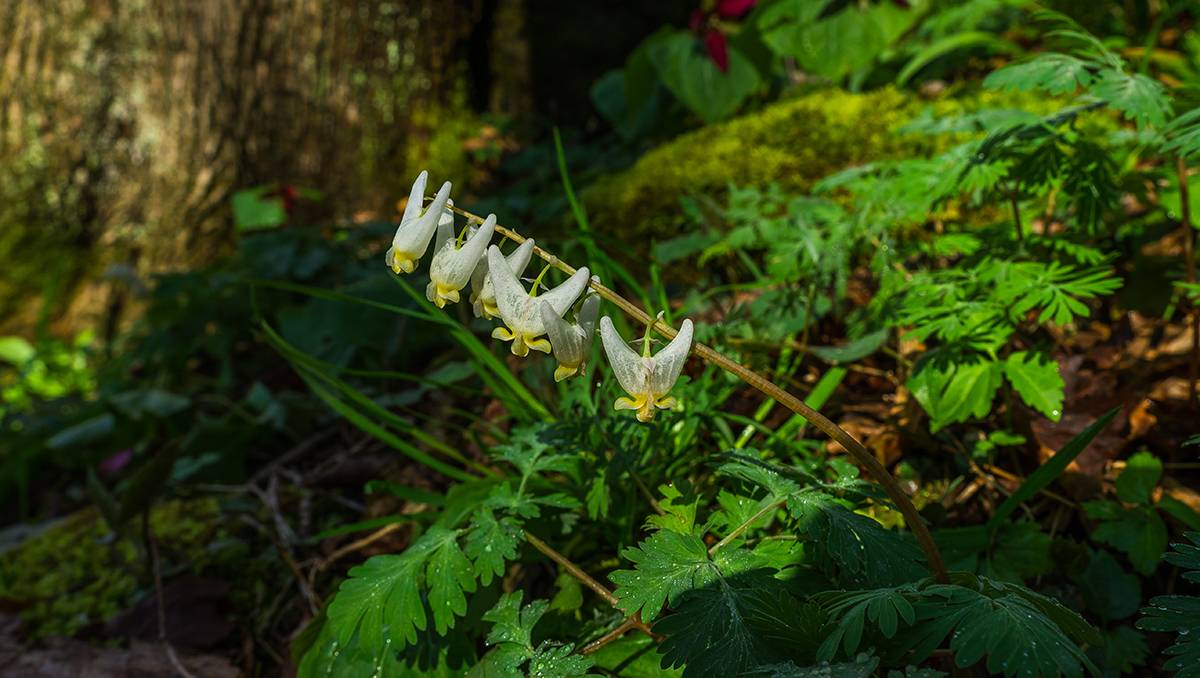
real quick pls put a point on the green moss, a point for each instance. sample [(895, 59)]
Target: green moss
[(78, 572), (792, 144)]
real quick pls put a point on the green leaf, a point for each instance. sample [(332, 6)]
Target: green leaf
[(1055, 74), (852, 350), (1109, 591), (1122, 651), (255, 209), (680, 510), (1136, 483), (1180, 511), (697, 82), (731, 625), (491, 543), (956, 392), (854, 548), (949, 44), (87, 432), (380, 600), (16, 350), (449, 575), (886, 608), (1183, 135), (635, 656), (1045, 474), (1179, 614), (139, 403), (1139, 532), (1005, 624), (818, 45), (1138, 97), (1036, 379), (665, 566), (512, 635), (1021, 551)]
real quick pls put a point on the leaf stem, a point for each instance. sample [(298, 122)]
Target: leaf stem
[(586, 579), (737, 531), (1016, 210), (629, 623), (856, 449)]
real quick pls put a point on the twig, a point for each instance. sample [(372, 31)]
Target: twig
[(354, 546), (856, 449), (291, 455), (587, 580), (152, 548), (609, 637), (279, 538), (649, 496)]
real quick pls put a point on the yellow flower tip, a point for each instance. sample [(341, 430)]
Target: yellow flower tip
[(563, 371), (403, 263), (665, 403), (446, 295), (519, 348), (503, 334), (538, 343), (624, 403), (490, 309)]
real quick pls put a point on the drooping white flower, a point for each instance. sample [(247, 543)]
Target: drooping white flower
[(519, 309), (417, 226), (452, 264), (647, 379), (571, 342), (483, 295)]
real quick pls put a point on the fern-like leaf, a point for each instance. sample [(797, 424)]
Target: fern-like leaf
[(512, 636), (666, 565), (1053, 73), (1136, 96), (1179, 614), (732, 625)]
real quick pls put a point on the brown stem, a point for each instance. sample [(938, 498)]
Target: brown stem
[(1016, 210), (609, 637), (856, 449), (1189, 259), (585, 579)]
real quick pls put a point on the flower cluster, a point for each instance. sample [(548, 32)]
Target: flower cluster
[(530, 318)]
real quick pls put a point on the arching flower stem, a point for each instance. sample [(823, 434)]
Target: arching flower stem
[(836, 433)]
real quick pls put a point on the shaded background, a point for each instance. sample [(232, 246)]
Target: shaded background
[(127, 125)]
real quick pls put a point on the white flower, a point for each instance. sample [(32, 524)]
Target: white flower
[(572, 343), (519, 309), (416, 226), (452, 265), (483, 295), (647, 379)]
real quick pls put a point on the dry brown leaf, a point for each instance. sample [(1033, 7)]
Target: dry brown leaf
[(1141, 420)]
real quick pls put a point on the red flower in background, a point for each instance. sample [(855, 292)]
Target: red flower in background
[(714, 40), (734, 9)]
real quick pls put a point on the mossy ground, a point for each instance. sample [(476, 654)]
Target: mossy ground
[(79, 572), (792, 143)]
